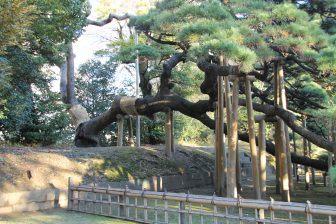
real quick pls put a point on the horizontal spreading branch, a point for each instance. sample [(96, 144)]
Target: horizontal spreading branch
[(87, 132), (109, 19)]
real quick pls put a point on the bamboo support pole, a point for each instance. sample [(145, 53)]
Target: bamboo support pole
[(120, 124), (253, 147)]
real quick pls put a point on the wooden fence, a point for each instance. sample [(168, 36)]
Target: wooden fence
[(163, 207)]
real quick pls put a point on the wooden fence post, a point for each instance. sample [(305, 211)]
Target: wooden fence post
[(181, 214)]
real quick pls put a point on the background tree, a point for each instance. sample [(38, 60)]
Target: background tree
[(34, 38)]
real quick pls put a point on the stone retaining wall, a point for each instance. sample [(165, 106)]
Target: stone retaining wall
[(32, 200)]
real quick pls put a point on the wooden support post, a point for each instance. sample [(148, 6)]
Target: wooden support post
[(330, 164), (253, 146), (172, 132), (262, 157), (232, 140), (130, 131), (276, 134), (168, 133), (120, 123), (238, 170), (312, 170), (281, 101), (70, 194), (295, 166), (220, 147), (281, 148), (277, 163), (289, 160), (332, 137), (305, 153)]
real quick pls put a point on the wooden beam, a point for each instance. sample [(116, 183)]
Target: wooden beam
[(253, 146)]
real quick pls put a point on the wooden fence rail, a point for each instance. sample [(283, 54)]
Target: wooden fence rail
[(164, 207)]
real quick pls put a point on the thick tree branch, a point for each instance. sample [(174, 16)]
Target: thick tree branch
[(165, 83), (291, 120), (109, 19), (87, 132)]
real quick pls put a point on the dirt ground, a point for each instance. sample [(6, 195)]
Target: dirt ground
[(27, 168)]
